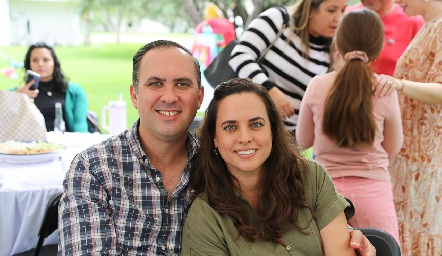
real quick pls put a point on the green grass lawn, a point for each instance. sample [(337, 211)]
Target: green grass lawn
[(103, 71)]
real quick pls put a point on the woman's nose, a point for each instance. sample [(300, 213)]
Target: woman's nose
[(244, 135)]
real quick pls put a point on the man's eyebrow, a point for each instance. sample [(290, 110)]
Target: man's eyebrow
[(154, 79), (183, 79), (159, 79)]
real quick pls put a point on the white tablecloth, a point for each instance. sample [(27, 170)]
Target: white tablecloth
[(26, 189)]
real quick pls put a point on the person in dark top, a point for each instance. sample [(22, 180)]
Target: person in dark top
[(54, 87)]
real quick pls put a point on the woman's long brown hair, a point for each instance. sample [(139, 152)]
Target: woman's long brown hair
[(281, 192), (348, 111)]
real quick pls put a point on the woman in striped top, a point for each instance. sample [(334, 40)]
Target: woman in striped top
[(300, 52)]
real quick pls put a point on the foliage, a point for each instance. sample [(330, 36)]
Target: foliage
[(178, 15)]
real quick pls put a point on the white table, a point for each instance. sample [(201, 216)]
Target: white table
[(26, 190)]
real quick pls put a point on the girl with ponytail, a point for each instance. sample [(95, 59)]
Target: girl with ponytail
[(352, 131)]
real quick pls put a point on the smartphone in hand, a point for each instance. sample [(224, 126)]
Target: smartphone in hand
[(31, 75)]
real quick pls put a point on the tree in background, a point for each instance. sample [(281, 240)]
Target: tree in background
[(178, 15), (107, 13)]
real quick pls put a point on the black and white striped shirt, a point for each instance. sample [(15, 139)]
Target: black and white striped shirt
[(285, 65)]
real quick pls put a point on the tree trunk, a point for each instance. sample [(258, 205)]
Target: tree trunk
[(192, 11), (87, 29), (255, 13), (240, 11), (118, 27)]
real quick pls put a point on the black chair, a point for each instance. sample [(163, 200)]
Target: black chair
[(384, 243), (50, 221), (194, 125), (92, 122)]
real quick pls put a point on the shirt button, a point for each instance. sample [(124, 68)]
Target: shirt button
[(157, 179), (163, 247), (166, 210), (288, 248)]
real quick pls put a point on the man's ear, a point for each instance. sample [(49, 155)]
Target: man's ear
[(200, 96), (133, 96)]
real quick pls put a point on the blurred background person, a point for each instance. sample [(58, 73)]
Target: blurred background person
[(353, 132), (417, 170), (299, 54), (399, 30), (212, 35), (54, 87)]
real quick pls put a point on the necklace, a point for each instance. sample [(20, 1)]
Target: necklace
[(48, 91)]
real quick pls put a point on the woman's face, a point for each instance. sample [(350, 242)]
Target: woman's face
[(42, 63), (412, 7), (243, 134), (325, 19)]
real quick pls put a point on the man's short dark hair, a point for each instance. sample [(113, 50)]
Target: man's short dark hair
[(160, 44)]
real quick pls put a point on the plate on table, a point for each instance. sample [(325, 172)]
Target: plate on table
[(25, 152)]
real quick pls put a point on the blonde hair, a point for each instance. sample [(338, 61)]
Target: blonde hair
[(299, 19)]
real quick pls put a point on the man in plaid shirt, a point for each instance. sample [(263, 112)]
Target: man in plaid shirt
[(128, 194)]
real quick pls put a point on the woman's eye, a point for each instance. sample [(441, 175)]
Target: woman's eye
[(257, 124), (229, 128)]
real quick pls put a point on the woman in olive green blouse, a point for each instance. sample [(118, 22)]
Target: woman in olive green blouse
[(255, 194)]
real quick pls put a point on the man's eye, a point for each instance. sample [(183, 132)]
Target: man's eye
[(183, 84), (257, 124), (155, 84)]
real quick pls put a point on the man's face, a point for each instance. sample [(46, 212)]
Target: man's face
[(379, 6), (168, 95)]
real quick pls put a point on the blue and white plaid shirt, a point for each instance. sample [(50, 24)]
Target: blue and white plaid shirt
[(114, 202)]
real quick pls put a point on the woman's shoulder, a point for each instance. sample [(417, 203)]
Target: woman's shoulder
[(74, 88), (200, 207), (327, 77), (437, 25), (315, 175), (322, 81), (276, 14), (313, 168), (200, 201)]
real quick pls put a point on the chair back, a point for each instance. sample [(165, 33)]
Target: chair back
[(92, 122), (384, 243), (50, 221)]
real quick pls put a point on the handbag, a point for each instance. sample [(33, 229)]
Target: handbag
[(219, 69), (20, 119)]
